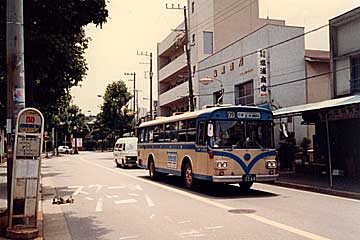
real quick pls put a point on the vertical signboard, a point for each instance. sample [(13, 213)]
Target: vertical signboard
[(26, 169), (263, 72)]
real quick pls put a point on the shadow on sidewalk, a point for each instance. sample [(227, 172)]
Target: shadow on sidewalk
[(76, 227)]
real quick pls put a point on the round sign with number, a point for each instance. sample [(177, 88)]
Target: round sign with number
[(30, 121)]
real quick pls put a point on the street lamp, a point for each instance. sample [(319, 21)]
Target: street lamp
[(207, 80)]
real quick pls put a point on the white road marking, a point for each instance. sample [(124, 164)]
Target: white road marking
[(149, 202), (189, 233), (138, 187), (128, 237), (98, 187), (125, 201), (99, 205), (89, 198), (287, 228), (217, 204), (116, 187), (183, 222), (78, 190), (108, 196), (133, 194), (214, 228), (152, 216), (115, 196), (132, 187)]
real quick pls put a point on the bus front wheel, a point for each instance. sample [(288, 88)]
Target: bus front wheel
[(188, 175)]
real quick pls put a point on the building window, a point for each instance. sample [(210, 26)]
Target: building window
[(232, 66), (244, 94), (355, 74), (193, 38), (208, 43), (223, 70), (215, 73), (193, 7), (218, 98)]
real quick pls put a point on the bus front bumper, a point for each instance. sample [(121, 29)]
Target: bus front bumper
[(238, 179)]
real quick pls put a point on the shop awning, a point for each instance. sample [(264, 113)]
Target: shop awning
[(299, 109)]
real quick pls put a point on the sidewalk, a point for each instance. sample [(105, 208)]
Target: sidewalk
[(342, 186)]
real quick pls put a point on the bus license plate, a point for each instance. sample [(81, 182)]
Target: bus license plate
[(249, 178)]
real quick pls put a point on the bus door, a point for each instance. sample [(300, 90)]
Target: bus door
[(202, 157)]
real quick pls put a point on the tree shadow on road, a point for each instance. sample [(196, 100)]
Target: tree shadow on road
[(213, 190)]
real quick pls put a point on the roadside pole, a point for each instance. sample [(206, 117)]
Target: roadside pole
[(15, 76)]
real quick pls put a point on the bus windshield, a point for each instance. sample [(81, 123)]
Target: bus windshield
[(242, 134)]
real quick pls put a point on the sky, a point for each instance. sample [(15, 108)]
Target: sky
[(135, 25)]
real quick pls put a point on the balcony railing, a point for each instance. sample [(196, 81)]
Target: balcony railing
[(172, 68), (174, 94)]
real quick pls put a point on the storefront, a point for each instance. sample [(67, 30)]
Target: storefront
[(336, 142)]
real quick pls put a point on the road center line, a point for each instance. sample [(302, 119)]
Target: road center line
[(216, 204), (125, 201), (149, 202), (99, 205)]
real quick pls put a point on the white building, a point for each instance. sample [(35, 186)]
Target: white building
[(237, 67), (213, 24)]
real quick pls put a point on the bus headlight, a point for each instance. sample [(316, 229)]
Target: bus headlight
[(221, 164), (271, 164)]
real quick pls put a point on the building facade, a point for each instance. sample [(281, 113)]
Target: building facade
[(236, 68), (212, 25), (345, 53)]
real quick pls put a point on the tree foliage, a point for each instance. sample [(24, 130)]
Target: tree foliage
[(114, 117), (55, 44)]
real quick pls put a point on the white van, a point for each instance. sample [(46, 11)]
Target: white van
[(125, 152)]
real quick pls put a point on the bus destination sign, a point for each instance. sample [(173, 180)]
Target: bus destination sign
[(244, 115)]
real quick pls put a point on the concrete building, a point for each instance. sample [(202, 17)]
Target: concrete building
[(213, 24), (345, 53), (236, 67)]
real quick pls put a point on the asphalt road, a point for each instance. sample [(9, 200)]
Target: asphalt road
[(114, 203)]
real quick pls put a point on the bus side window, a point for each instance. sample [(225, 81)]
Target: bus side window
[(181, 131), (150, 134), (201, 134), (191, 130)]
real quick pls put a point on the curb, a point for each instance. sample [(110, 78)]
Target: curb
[(329, 191)]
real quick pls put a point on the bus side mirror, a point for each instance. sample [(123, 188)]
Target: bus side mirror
[(210, 130)]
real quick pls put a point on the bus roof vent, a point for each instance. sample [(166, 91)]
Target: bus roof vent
[(177, 113)]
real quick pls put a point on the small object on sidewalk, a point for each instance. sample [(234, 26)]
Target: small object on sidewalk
[(59, 200)]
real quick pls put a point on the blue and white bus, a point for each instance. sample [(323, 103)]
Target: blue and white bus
[(230, 144)]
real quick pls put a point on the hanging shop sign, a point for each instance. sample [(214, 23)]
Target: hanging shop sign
[(346, 112), (262, 72)]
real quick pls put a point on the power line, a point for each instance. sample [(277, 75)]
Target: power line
[(293, 81), (268, 47)]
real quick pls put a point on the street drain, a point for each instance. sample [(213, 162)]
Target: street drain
[(242, 211)]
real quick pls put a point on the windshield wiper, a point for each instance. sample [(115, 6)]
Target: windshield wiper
[(248, 139)]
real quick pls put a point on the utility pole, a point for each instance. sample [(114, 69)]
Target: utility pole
[(151, 79), (15, 76), (187, 50), (134, 80)]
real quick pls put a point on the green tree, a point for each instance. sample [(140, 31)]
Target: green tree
[(114, 117), (55, 44)]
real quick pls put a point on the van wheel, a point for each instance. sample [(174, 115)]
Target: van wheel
[(123, 163), (152, 172), (117, 164), (188, 175)]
